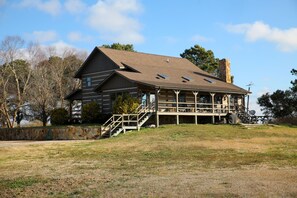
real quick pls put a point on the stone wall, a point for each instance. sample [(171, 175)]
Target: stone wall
[(46, 133)]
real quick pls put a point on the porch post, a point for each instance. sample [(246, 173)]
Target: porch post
[(157, 106), (70, 109), (195, 101), (212, 102), (176, 95), (229, 101), (148, 102)]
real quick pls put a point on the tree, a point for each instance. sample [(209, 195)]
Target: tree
[(125, 104), (15, 79), (118, 46), (294, 82), (42, 94), (62, 70), (202, 58), (280, 104)]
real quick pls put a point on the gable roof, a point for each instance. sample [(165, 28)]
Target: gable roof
[(148, 69)]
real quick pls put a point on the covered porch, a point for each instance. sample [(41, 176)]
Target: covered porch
[(175, 102)]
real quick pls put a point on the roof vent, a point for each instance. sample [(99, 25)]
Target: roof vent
[(209, 80), (163, 76), (186, 78)]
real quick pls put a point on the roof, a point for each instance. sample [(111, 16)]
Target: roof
[(165, 72), (74, 95)]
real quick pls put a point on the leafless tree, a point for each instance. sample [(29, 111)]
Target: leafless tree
[(42, 95), (63, 69), (15, 78)]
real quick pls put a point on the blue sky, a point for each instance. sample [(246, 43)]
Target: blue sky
[(258, 36)]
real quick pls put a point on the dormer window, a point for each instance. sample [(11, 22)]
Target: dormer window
[(187, 79), (209, 80), (163, 76)]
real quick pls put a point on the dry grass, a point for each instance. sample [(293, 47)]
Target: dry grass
[(172, 161)]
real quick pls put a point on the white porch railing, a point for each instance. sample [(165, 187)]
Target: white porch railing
[(190, 107)]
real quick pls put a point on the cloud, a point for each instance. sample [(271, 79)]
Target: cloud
[(75, 6), (199, 38), (44, 36), (78, 37), (285, 39), (52, 7), (114, 20)]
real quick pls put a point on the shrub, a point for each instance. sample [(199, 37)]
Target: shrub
[(59, 116), (91, 113), (125, 104)]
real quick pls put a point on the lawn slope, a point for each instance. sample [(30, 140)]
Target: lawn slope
[(171, 161)]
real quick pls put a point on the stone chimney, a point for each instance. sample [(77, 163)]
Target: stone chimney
[(225, 71)]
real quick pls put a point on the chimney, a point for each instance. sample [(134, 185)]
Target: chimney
[(225, 71)]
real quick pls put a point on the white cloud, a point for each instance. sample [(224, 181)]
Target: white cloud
[(75, 6), (52, 7), (78, 37), (114, 21), (199, 38), (285, 39), (44, 36)]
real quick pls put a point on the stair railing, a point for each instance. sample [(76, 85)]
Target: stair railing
[(116, 124), (119, 119)]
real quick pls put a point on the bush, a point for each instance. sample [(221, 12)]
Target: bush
[(59, 116), (125, 104), (286, 120), (91, 113)]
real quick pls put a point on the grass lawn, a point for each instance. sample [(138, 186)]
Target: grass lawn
[(171, 161)]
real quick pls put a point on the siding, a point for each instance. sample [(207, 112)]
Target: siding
[(106, 95), (88, 94), (98, 68), (116, 84)]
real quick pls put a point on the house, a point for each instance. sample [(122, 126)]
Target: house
[(166, 86)]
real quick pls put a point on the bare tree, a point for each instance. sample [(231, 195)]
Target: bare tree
[(42, 95), (15, 75), (63, 69)]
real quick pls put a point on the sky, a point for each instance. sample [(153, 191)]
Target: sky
[(259, 37)]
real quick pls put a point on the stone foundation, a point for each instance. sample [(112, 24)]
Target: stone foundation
[(44, 133)]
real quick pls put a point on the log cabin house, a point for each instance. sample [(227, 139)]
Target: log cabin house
[(170, 89)]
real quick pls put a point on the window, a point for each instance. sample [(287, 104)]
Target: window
[(209, 80), (163, 76), (187, 78), (88, 82)]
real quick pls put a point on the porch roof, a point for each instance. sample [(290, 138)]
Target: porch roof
[(74, 95)]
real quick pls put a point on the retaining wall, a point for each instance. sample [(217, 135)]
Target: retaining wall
[(46, 133)]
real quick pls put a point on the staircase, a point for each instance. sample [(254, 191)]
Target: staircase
[(118, 123), (244, 117)]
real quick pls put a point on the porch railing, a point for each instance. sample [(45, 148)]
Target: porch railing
[(190, 107)]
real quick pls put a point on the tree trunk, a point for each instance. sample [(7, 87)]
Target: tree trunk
[(44, 117)]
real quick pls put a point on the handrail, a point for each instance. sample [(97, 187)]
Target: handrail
[(107, 121), (116, 119), (112, 125)]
